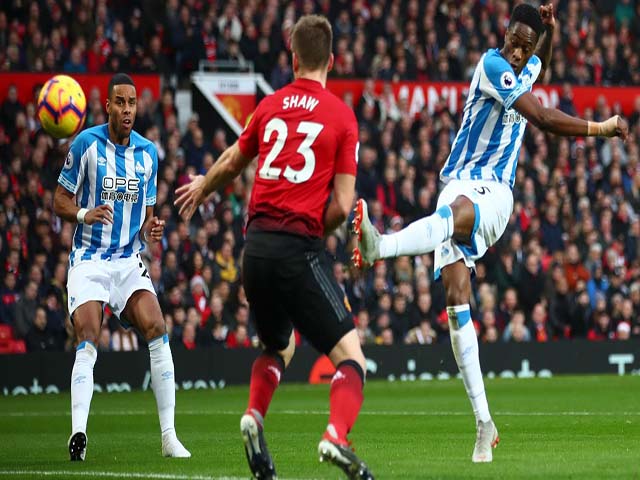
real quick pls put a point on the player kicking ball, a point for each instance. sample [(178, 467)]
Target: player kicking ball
[(108, 187), (475, 205), (306, 141)]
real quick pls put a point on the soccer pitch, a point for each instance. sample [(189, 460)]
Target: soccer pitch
[(561, 427)]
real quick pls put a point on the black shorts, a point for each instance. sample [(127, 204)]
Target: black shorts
[(289, 282)]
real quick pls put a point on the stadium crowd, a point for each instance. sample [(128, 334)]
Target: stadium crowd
[(567, 267)]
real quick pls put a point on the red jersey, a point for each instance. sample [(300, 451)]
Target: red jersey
[(303, 136)]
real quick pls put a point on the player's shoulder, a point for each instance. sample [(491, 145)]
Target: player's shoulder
[(493, 61), (534, 61), (498, 70), (91, 134), (337, 107), (142, 142)]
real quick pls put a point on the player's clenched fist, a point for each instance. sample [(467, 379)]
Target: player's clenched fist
[(154, 230), (102, 214), (614, 126), (546, 12)]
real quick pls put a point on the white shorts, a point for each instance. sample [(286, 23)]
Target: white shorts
[(108, 281), (493, 203)]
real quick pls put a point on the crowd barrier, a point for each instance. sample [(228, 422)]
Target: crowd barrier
[(42, 373)]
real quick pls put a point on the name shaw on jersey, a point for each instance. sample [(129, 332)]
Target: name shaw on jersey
[(297, 101)]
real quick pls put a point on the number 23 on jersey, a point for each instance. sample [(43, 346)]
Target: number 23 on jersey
[(279, 127)]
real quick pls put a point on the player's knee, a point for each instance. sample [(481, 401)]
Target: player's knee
[(86, 335), (348, 348), (458, 293), (155, 330), (87, 331)]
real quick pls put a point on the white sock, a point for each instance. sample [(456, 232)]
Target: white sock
[(421, 236), (465, 348), (82, 385), (163, 382)]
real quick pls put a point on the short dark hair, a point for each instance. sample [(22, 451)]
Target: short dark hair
[(529, 15), (119, 79), (311, 41)]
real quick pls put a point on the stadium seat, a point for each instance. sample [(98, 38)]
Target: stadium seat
[(6, 333), (6, 339), (18, 346)]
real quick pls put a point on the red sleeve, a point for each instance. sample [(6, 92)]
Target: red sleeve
[(347, 153), (249, 140)]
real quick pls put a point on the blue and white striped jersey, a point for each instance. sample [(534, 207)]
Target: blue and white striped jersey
[(99, 172), (488, 143)]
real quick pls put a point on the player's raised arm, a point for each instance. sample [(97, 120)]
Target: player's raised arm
[(543, 49), (559, 123), (227, 167)]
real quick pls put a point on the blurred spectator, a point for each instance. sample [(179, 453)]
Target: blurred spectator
[(281, 74), (188, 340), (516, 331), (40, 338), (623, 331), (25, 310), (602, 328), (423, 334), (124, 340)]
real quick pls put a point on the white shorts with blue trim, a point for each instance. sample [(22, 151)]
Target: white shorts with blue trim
[(493, 203), (109, 281)]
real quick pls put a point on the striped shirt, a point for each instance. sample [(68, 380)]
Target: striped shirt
[(99, 172), (488, 144)]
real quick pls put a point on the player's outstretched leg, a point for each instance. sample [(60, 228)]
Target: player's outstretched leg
[(265, 378), (419, 237), (164, 389), (465, 349), (81, 393), (345, 400)]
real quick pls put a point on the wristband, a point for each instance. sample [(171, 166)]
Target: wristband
[(81, 214), (144, 236), (602, 129)]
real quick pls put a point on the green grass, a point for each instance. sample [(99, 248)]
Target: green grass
[(563, 427)]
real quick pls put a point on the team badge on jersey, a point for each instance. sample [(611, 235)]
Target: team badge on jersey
[(140, 168), (508, 80)]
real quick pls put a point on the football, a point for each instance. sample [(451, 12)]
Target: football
[(62, 106)]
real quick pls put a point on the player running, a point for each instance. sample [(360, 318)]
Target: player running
[(475, 205), (108, 186), (306, 141)]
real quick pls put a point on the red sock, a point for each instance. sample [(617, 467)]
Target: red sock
[(345, 401), (265, 378)]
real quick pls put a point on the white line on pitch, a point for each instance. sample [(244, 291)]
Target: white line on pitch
[(68, 473), (78, 473), (409, 413)]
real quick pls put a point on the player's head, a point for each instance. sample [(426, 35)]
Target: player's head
[(525, 28), (121, 105), (311, 41)]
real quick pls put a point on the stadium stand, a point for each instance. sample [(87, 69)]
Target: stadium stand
[(567, 267)]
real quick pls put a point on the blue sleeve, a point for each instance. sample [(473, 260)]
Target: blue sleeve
[(500, 82), (72, 173), (152, 183)]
